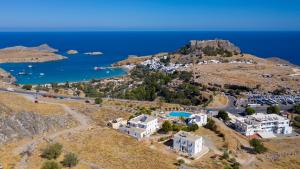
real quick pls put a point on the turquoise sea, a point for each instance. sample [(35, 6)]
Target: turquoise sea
[(118, 45)]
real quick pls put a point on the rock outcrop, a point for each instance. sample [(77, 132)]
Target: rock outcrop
[(27, 124), (217, 44), (72, 52)]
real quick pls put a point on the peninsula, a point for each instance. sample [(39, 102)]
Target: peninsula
[(19, 54)]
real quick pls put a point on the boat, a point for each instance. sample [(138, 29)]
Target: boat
[(42, 74), (30, 66), (22, 73), (93, 53), (98, 68)]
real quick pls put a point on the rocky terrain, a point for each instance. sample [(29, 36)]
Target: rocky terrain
[(220, 62), (42, 53), (28, 124), (217, 44)]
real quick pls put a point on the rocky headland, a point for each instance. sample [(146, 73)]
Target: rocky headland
[(18, 54)]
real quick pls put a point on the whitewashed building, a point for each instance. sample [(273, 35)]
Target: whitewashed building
[(187, 143), (141, 126), (199, 119), (262, 124)]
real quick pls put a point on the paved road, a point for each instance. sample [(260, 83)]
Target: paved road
[(20, 91), (229, 108)]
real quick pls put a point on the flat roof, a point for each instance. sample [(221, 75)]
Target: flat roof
[(187, 135), (144, 118)]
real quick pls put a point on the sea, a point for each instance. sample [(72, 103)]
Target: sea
[(117, 46)]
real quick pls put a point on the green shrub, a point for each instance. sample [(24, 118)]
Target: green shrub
[(70, 160), (223, 115), (258, 146), (98, 100), (166, 126), (180, 162), (250, 111), (273, 110), (27, 87), (296, 124), (211, 124), (297, 118), (296, 108), (225, 155), (52, 151), (51, 165), (176, 127)]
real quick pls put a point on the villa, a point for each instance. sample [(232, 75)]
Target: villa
[(199, 119), (187, 143), (265, 125), (141, 126)]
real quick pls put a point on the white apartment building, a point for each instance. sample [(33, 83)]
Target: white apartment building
[(262, 124), (199, 119), (187, 143), (141, 126)]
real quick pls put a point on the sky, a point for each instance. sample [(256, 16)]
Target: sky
[(97, 15)]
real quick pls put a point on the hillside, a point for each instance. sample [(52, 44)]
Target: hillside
[(220, 62)]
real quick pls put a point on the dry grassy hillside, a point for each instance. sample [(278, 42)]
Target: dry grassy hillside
[(17, 103), (108, 149)]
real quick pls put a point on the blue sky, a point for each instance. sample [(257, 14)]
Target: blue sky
[(149, 15)]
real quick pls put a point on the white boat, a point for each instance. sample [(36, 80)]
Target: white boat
[(22, 73), (42, 74), (93, 53), (107, 72), (98, 68), (30, 66)]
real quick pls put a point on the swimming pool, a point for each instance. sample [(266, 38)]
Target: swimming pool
[(179, 114)]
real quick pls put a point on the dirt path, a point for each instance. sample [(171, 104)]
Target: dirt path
[(26, 149)]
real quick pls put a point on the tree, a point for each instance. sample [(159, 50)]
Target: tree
[(51, 165), (296, 108), (52, 151), (70, 160), (273, 110), (98, 100), (223, 115), (27, 87), (250, 111), (258, 146), (166, 126)]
